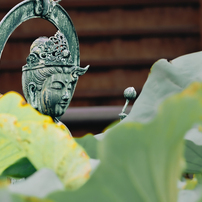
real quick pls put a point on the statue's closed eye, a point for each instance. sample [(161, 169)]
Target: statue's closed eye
[(57, 85)]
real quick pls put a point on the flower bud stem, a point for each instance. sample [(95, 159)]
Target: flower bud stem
[(125, 106)]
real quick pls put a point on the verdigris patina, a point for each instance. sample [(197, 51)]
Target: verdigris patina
[(52, 69), (50, 76)]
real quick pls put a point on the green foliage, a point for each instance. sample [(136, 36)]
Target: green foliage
[(141, 157), (89, 143), (193, 157), (10, 152), (24, 132), (40, 184), (193, 149), (20, 169), (6, 196), (14, 104), (143, 162), (165, 79)]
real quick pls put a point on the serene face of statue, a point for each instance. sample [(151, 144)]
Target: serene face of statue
[(56, 94), (50, 75)]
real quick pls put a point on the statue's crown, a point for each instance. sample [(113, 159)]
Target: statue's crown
[(46, 52)]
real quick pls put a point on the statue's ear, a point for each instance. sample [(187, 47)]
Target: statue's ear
[(78, 71), (32, 94)]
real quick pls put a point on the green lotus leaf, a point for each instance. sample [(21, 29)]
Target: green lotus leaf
[(7, 196), (47, 145), (193, 150), (9, 149), (89, 143), (142, 162), (43, 142), (190, 195), (20, 169), (13, 103), (40, 184), (191, 191), (193, 156), (165, 79)]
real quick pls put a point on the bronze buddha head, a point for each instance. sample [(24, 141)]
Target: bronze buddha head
[(49, 78)]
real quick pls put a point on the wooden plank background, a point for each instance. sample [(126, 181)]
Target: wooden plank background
[(119, 39)]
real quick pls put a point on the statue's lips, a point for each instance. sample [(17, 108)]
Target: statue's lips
[(63, 105)]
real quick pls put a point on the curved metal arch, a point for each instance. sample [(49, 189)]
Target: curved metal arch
[(58, 17)]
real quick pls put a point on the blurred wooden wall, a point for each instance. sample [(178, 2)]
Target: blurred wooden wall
[(120, 39)]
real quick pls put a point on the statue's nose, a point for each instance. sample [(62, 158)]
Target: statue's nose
[(65, 96)]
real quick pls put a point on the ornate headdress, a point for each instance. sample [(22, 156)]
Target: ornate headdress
[(46, 52)]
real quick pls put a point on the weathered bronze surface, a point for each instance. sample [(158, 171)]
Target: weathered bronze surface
[(50, 76), (52, 70), (46, 9)]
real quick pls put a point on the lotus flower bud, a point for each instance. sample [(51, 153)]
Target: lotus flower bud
[(130, 93)]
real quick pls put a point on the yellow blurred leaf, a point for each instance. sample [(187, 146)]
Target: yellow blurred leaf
[(24, 132)]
